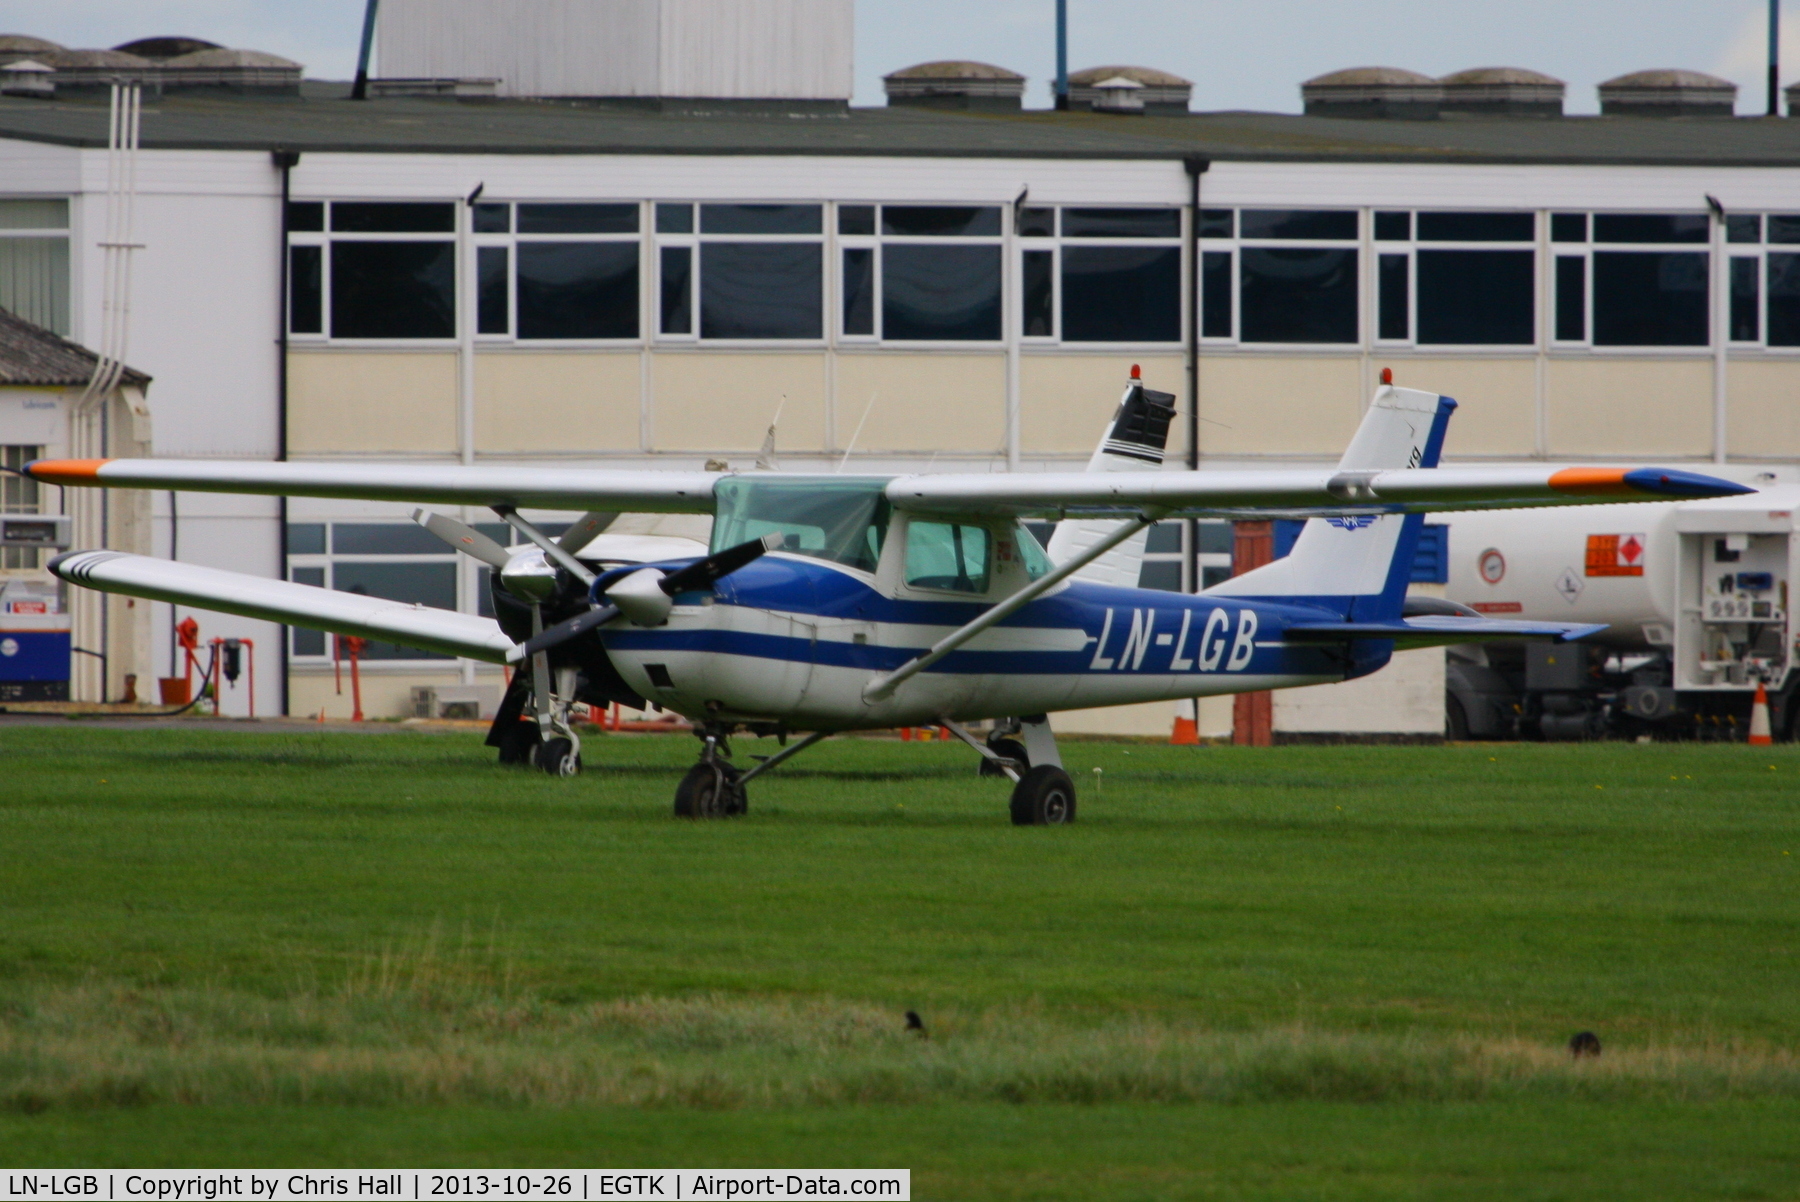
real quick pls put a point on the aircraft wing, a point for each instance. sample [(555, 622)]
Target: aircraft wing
[(1284, 493), (441, 484), (280, 601), (1438, 630)]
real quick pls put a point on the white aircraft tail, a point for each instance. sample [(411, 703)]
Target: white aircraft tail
[(1133, 442), (1361, 564)]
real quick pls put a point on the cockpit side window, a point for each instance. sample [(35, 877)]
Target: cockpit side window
[(947, 555), (844, 521), (1037, 564)]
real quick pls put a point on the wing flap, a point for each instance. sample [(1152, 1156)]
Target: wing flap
[(1437, 630), (439, 484), (281, 601)]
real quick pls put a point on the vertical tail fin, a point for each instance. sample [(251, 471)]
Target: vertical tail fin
[(1360, 564), (1133, 442)]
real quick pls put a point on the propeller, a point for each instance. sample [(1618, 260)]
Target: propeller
[(647, 600), (463, 537), (590, 526)]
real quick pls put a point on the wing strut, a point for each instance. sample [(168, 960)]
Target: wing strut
[(882, 687)]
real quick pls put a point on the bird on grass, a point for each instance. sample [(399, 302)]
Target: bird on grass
[(1584, 1044), (915, 1024)]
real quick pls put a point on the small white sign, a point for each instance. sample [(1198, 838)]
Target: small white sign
[(1569, 585)]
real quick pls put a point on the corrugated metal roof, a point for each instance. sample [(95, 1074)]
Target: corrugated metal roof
[(31, 355), (323, 119)]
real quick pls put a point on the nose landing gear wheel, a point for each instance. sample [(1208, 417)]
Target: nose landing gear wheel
[(1044, 796), (710, 791), (558, 757)]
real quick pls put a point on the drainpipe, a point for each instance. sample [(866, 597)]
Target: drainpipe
[(285, 162), (1196, 166), (1062, 52), (1774, 58)]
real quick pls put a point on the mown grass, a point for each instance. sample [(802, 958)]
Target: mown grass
[(211, 923)]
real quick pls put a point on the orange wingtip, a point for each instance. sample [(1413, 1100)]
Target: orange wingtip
[(65, 471), (1591, 480)]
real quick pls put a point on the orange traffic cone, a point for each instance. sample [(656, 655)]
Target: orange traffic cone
[(1187, 732), (1759, 718)]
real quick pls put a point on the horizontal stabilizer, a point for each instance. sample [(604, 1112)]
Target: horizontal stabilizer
[(1437, 630), (280, 601)]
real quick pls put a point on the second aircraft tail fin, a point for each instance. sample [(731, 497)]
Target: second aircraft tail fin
[(1134, 441)]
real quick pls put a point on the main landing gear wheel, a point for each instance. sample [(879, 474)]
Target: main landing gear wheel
[(710, 791), (519, 742), (1010, 749), (1044, 796), (558, 757)]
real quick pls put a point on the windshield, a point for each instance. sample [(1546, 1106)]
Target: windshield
[(843, 521)]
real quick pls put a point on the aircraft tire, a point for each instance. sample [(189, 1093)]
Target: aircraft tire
[(558, 758), (519, 743), (706, 792), (1012, 749), (1044, 796)]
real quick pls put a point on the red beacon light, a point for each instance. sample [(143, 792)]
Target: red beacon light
[(1136, 373), (1387, 375)]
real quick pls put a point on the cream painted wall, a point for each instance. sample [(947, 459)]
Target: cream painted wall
[(924, 401), (724, 401), (1763, 408), (556, 401), (384, 694), (1496, 400), (371, 401), (1406, 697), (1065, 401), (1270, 405), (1630, 407)]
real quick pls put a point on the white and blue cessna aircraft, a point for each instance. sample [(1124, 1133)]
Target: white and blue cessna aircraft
[(834, 603)]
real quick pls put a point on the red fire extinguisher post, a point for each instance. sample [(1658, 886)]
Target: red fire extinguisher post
[(353, 648)]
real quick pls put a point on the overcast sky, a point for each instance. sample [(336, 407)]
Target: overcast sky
[(1244, 55)]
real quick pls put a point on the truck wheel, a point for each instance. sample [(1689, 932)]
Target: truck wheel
[(1044, 796), (1456, 719)]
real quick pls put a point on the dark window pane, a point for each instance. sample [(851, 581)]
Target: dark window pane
[(578, 289), (1215, 538), (484, 590), (1568, 227), (1217, 223), (306, 215), (1649, 298), (1470, 297), (306, 289), (1393, 301), (1037, 294), (393, 289), (1571, 299), (1121, 294), (1783, 228), (1784, 300), (357, 217), (1298, 223), (859, 290), (1162, 574), (674, 219), (1297, 295), (1164, 539), (385, 538), (1477, 227), (1215, 294), (1745, 290), (500, 532), (578, 219), (492, 219), (760, 289), (1649, 227), (308, 642), (759, 219), (856, 219), (1393, 227), (677, 290), (1212, 576), (1121, 223), (491, 315), (931, 292), (432, 584), (1037, 223), (1743, 227), (940, 221), (306, 538)]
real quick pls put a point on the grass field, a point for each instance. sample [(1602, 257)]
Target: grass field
[(1298, 972)]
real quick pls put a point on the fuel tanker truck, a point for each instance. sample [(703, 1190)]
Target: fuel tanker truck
[(1694, 595)]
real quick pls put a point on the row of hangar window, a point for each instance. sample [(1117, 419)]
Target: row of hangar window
[(935, 273)]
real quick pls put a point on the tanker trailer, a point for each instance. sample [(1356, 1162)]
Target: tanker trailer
[(1694, 595)]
